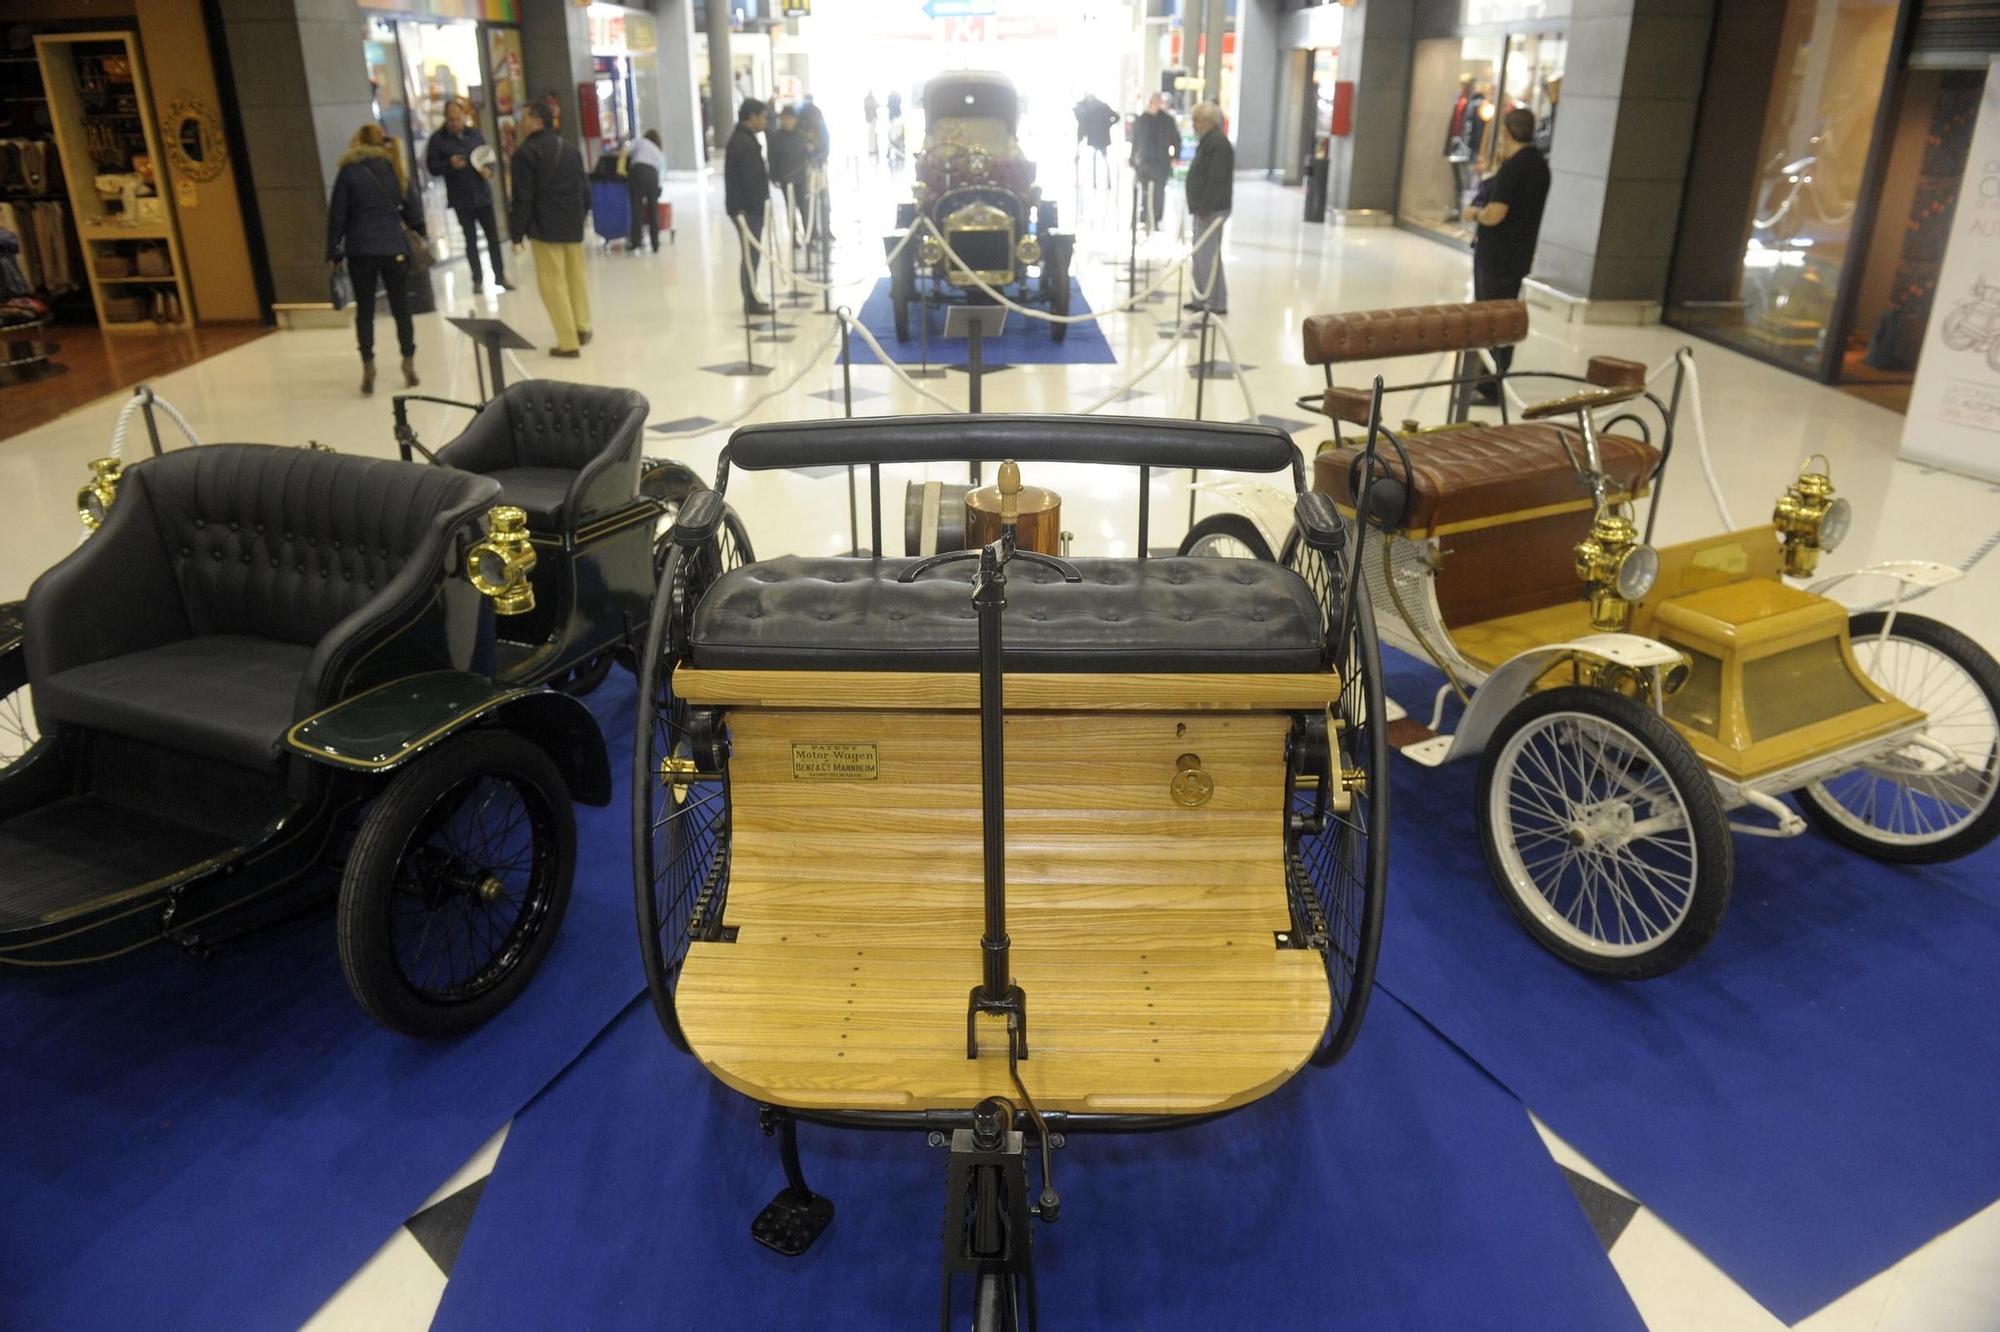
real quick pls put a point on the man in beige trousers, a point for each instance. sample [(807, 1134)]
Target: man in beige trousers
[(550, 199)]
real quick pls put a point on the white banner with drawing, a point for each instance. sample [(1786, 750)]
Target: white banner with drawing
[(1954, 416)]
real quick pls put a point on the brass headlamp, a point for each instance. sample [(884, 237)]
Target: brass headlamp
[(932, 250), (499, 566), (920, 190), (1028, 251), (93, 502), (1810, 519), (1619, 567)]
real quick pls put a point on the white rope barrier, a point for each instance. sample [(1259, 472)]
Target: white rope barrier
[(898, 370), (132, 405), (1167, 349), (832, 335), (1242, 380)]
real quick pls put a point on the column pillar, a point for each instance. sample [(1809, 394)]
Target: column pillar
[(680, 91), (555, 58), (721, 76), (1216, 20), (1365, 168)]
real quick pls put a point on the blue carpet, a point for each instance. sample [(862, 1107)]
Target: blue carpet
[(1026, 341), (223, 1144), (1807, 1102), (1402, 1189)]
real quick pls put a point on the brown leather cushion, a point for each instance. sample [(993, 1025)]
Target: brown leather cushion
[(1367, 335), (1615, 372), (1349, 405), (1486, 471)]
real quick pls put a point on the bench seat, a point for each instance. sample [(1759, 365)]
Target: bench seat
[(1127, 616)]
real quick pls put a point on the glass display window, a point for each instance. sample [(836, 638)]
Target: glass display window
[(1447, 146), (1766, 227)]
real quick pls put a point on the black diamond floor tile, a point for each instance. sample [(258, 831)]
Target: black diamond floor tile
[(739, 368), (860, 394), (1607, 1210), (684, 423), (441, 1227), (1217, 369), (1288, 424), (989, 368)]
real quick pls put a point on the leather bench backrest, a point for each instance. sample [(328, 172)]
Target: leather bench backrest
[(1373, 335), (284, 543)]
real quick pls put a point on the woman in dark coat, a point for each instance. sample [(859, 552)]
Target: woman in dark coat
[(372, 200)]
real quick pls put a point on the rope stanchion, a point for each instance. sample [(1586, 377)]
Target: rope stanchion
[(897, 370), (142, 398), (757, 402)]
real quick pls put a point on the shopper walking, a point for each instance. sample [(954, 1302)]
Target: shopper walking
[(642, 178), (466, 188), (869, 109), (372, 203), (1156, 146), (1508, 209), (551, 196), (1211, 181), (746, 189)]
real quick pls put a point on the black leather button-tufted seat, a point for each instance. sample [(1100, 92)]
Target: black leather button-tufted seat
[(1158, 616), (566, 453), (237, 589)]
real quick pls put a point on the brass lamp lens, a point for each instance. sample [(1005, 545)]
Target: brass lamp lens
[(489, 570), (1833, 526), (1637, 572)]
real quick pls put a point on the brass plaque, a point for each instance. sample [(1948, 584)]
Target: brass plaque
[(833, 761)]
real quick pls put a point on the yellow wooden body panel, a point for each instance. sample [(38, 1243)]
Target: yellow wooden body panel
[(959, 690), (1143, 930)]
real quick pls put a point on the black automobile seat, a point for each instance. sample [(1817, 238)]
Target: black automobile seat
[(1158, 615), (565, 453), (237, 589)]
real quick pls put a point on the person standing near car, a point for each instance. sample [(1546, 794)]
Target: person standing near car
[(642, 178), (1211, 184), (1508, 209), (786, 147), (466, 189), (551, 197), (372, 203), (746, 190), (1156, 146)]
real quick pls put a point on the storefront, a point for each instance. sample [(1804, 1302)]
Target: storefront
[(1460, 86), (625, 59), (418, 62), (1815, 242)]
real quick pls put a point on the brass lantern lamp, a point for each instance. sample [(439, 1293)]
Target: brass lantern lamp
[(1810, 518), (93, 502), (499, 566), (1620, 568)]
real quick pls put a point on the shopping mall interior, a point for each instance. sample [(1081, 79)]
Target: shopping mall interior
[(1482, 777)]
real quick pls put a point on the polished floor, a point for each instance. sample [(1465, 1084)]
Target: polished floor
[(664, 320)]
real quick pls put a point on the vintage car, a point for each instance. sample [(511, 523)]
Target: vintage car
[(1631, 705), (1133, 880), (260, 651), (979, 193)]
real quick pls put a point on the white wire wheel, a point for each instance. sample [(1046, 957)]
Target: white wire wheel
[(1935, 798), (1604, 832), (19, 732), (1228, 536)]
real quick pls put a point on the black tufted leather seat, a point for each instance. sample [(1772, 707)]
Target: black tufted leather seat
[(1162, 615), (237, 589), (564, 452)]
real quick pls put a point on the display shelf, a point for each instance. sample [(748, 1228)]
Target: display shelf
[(86, 76)]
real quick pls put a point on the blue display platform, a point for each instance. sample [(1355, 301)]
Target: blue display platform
[(1399, 1189), (1807, 1102), (1026, 341), (222, 1144)]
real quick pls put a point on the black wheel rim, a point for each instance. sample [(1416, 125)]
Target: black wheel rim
[(1344, 866), (472, 887), (681, 829)]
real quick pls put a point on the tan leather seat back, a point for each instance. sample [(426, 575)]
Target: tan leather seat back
[(1367, 335)]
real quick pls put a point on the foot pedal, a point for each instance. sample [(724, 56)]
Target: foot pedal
[(792, 1221)]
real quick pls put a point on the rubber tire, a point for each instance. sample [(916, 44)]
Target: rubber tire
[(1713, 846), (1234, 525), (584, 679), (13, 680), (1985, 672), (1993, 355), (367, 957), (1956, 335)]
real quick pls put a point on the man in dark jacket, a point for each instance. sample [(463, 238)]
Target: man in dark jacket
[(551, 197), (746, 188), (449, 154), (785, 144), (1508, 209), (1211, 181), (819, 150), (1156, 146)]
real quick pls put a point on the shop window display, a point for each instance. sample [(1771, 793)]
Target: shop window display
[(1460, 89)]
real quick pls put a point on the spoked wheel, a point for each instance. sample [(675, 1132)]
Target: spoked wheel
[(19, 732), (1229, 535), (680, 790), (1934, 798), (1341, 871), (456, 884), (1604, 832)]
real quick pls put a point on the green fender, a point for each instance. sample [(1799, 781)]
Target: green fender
[(380, 730)]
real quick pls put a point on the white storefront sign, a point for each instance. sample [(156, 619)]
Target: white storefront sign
[(1954, 416)]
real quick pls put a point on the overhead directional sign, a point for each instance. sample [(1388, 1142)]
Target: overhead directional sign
[(938, 9)]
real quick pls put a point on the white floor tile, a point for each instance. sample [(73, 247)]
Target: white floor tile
[(397, 1291)]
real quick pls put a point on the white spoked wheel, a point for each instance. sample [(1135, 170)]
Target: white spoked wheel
[(1604, 832), (1227, 536), (1936, 797), (19, 732)]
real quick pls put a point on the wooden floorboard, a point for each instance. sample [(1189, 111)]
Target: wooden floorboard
[(95, 363)]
